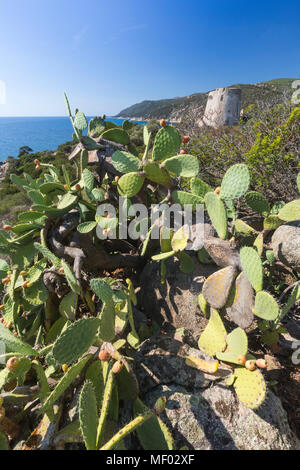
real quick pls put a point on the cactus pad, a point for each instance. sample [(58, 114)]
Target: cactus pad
[(290, 211), (272, 222), (179, 240), (241, 302), (252, 267), (167, 143), (182, 198), (199, 187), (182, 165), (88, 415), (265, 306), (258, 202), (116, 135), (75, 340), (235, 182), (101, 288), (96, 127), (250, 387), (125, 162), (157, 175), (130, 184), (217, 287), (209, 367), (80, 121), (213, 338), (241, 227), (217, 213), (237, 342)]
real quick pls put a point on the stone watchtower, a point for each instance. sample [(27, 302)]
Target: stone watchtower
[(223, 107)]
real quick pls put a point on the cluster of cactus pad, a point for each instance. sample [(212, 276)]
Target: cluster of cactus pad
[(61, 322)]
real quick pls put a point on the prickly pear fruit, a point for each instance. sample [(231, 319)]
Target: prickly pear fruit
[(162, 123), (241, 360), (185, 139), (250, 365), (261, 363), (12, 363), (117, 367), (104, 355)]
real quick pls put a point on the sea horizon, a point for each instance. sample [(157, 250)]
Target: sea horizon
[(40, 133)]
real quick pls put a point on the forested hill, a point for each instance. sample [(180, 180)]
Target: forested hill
[(273, 91)]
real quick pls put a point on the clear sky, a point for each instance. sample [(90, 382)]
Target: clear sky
[(110, 54)]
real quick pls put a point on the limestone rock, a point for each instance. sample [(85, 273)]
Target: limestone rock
[(286, 244)]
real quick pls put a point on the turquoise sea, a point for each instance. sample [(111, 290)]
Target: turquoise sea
[(39, 133)]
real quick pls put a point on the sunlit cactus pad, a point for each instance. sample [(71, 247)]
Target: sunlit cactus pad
[(250, 387), (167, 143)]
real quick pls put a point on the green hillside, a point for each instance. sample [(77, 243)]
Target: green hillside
[(273, 91)]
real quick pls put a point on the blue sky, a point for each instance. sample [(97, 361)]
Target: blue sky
[(109, 55)]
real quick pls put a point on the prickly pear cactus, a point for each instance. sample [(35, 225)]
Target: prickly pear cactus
[(213, 338), (258, 203), (265, 306), (130, 184), (75, 340), (167, 143), (182, 165), (217, 213), (157, 175), (250, 387), (252, 267), (125, 162), (235, 182)]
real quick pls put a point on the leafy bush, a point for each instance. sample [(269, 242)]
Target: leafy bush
[(267, 140)]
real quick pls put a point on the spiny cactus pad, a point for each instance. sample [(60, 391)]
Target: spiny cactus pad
[(290, 211), (167, 143), (213, 338), (182, 198), (240, 302), (157, 175), (125, 162), (235, 182), (80, 121), (116, 135), (182, 165), (96, 127), (75, 340), (88, 415), (101, 288), (217, 286), (252, 267), (265, 306), (250, 387), (258, 202), (130, 184), (199, 187), (217, 213), (187, 264), (153, 434)]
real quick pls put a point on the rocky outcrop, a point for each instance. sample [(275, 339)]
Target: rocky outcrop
[(286, 244), (202, 413)]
